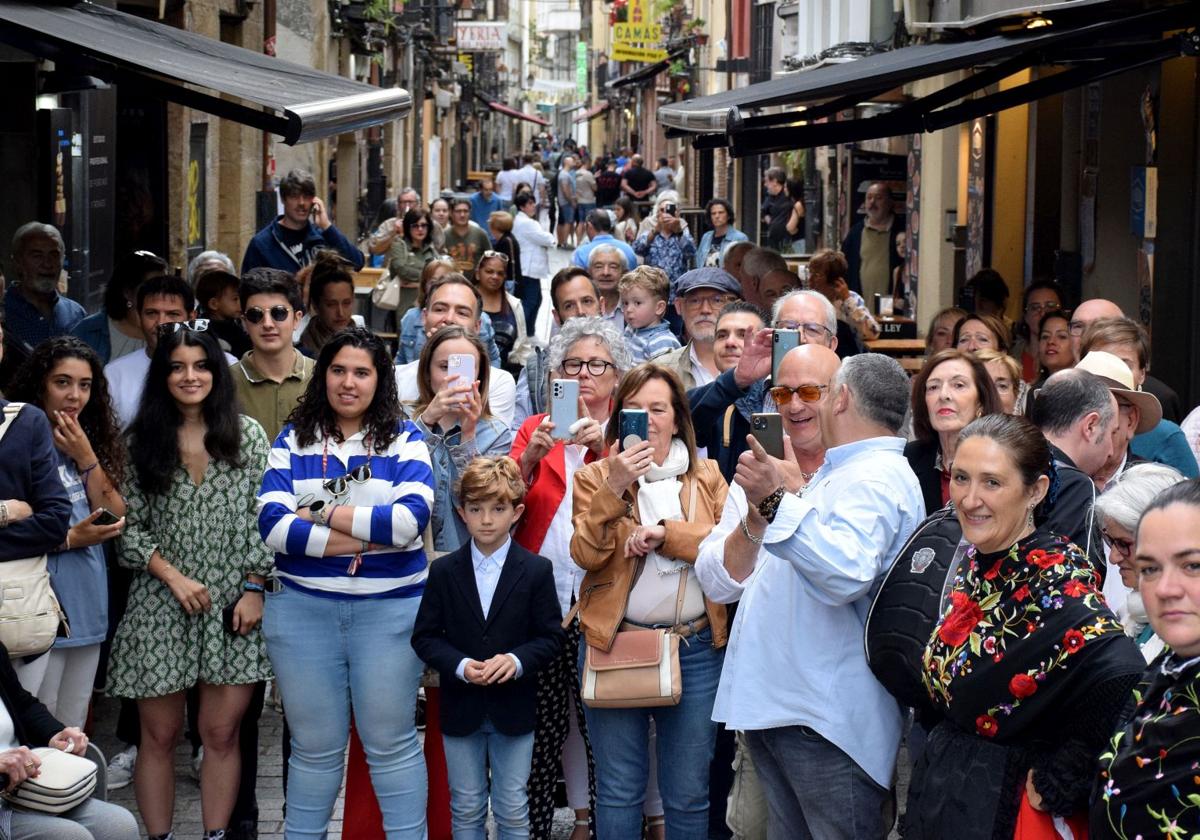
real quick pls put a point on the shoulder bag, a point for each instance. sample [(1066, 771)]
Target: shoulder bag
[(30, 614), (65, 781), (386, 294)]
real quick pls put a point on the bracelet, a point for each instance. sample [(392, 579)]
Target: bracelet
[(748, 535), (3, 514), (86, 471), (251, 586)]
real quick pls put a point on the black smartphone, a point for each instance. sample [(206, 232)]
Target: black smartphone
[(106, 517), (227, 617), (634, 428), (670, 209), (767, 429), (783, 341)]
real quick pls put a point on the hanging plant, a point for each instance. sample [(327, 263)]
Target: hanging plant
[(678, 67)]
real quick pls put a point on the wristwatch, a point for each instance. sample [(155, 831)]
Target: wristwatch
[(768, 507), (320, 511)]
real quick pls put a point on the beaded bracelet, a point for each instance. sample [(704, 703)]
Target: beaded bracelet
[(251, 586)]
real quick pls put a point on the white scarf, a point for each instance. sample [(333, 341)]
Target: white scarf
[(658, 500)]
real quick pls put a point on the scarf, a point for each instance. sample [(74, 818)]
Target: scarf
[(658, 500), (315, 336), (1026, 631), (1149, 776)]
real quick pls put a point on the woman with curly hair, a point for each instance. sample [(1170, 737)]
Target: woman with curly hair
[(195, 604), (65, 378), (344, 502)]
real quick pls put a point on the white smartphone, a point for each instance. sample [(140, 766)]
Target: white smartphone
[(462, 365), (564, 406)]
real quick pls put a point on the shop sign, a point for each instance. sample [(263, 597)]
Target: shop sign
[(480, 36), (638, 38), (581, 68)]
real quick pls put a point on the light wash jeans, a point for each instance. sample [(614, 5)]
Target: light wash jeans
[(335, 657), (92, 820), (468, 760), (685, 739)]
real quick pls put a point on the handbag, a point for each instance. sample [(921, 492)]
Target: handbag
[(386, 294), (641, 669), (65, 781), (30, 614)]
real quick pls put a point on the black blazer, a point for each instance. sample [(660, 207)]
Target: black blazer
[(921, 457), (524, 620), (32, 722)]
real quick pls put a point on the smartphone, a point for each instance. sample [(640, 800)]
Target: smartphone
[(784, 340), (227, 617), (670, 209), (767, 429), (634, 428), (462, 364), (564, 406), (106, 517)]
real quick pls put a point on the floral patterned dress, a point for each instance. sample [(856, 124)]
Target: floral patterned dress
[(209, 532), (1029, 669)]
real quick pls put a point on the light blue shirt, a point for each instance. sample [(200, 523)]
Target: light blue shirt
[(487, 578), (795, 654)]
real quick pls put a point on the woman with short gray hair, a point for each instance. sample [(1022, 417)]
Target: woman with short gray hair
[(1118, 509)]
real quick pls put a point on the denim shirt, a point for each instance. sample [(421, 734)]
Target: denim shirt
[(449, 456), (412, 338)]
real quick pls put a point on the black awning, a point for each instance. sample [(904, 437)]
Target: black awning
[(645, 74), (1090, 51), (296, 102)]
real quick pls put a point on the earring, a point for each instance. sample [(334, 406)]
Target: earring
[(1030, 520)]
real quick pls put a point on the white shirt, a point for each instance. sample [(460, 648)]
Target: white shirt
[(487, 577), (556, 545), (502, 391), (127, 380), (535, 243), (795, 654), (700, 373), (8, 730), (507, 181)]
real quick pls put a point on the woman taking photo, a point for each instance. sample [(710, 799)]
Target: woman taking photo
[(344, 502), (196, 466), (410, 253), (504, 310), (1026, 664), (65, 379), (952, 389), (454, 419), (721, 218), (640, 514), (589, 350)]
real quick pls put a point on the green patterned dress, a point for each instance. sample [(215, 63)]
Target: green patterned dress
[(210, 534)]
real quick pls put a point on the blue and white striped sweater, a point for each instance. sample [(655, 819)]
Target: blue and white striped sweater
[(392, 509)]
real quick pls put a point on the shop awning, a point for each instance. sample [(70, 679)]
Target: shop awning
[(645, 74), (501, 108), (1083, 53), (593, 112), (296, 102)]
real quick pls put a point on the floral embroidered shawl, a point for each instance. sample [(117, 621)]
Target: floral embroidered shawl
[(1025, 630)]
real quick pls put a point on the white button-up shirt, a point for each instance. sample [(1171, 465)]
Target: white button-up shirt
[(795, 654)]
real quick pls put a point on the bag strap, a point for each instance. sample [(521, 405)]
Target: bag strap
[(681, 594), (10, 416)]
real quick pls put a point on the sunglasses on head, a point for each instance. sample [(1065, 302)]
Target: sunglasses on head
[(255, 314), (487, 255), (197, 325), (782, 394)]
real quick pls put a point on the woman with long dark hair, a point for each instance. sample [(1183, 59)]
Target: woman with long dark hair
[(505, 311), (330, 300), (65, 379), (344, 503), (196, 466), (410, 253)]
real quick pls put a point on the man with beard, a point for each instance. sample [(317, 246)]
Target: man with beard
[(870, 246), (699, 295), (35, 309)]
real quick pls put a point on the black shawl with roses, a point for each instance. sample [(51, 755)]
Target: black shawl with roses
[(1031, 669)]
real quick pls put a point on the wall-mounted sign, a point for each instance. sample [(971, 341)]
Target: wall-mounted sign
[(638, 38), (581, 68), (480, 36)]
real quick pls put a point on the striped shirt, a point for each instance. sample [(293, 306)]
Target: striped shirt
[(646, 343), (391, 509)]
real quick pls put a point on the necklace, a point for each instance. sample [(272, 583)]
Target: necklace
[(808, 476)]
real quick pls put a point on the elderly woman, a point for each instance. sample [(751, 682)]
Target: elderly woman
[(640, 515), (940, 335), (977, 332), (1027, 665), (1119, 509), (952, 389), (1148, 775), (664, 241), (1005, 372), (591, 351)]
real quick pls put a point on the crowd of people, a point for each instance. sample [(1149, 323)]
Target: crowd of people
[(236, 483)]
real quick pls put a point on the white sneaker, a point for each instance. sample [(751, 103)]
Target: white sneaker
[(120, 769)]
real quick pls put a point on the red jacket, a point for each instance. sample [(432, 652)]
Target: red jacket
[(547, 487)]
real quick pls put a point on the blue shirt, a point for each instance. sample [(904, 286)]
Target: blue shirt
[(580, 257), (26, 322), (481, 208), (645, 343), (795, 654), (1166, 444), (79, 576), (412, 337), (673, 254)]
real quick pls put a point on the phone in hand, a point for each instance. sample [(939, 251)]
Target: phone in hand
[(670, 209), (564, 407), (462, 364), (767, 428), (106, 517), (227, 617), (783, 341), (634, 428)]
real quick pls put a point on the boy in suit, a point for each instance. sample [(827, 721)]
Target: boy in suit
[(489, 621)]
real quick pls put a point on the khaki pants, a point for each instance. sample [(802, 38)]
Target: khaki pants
[(746, 812)]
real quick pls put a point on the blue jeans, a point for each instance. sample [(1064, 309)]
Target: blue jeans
[(467, 762), (333, 657), (686, 735), (529, 290), (814, 790)]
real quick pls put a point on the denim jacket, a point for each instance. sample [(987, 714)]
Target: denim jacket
[(412, 338), (449, 456)]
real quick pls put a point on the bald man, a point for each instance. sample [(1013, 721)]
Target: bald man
[(1094, 310)]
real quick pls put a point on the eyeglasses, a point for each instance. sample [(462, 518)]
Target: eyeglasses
[(1076, 328), (340, 485), (1125, 547), (172, 327), (782, 394), (1042, 307), (698, 301), (499, 255), (596, 367), (255, 314), (811, 332)]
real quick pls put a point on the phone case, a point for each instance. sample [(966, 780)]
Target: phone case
[(784, 340), (106, 517), (635, 427), (767, 429), (463, 365), (564, 406)]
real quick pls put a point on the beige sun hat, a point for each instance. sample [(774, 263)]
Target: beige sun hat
[(1119, 379)]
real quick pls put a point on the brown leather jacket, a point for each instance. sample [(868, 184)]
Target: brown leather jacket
[(603, 521)]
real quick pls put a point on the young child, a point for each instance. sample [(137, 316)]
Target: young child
[(489, 621), (645, 292), (217, 298)]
